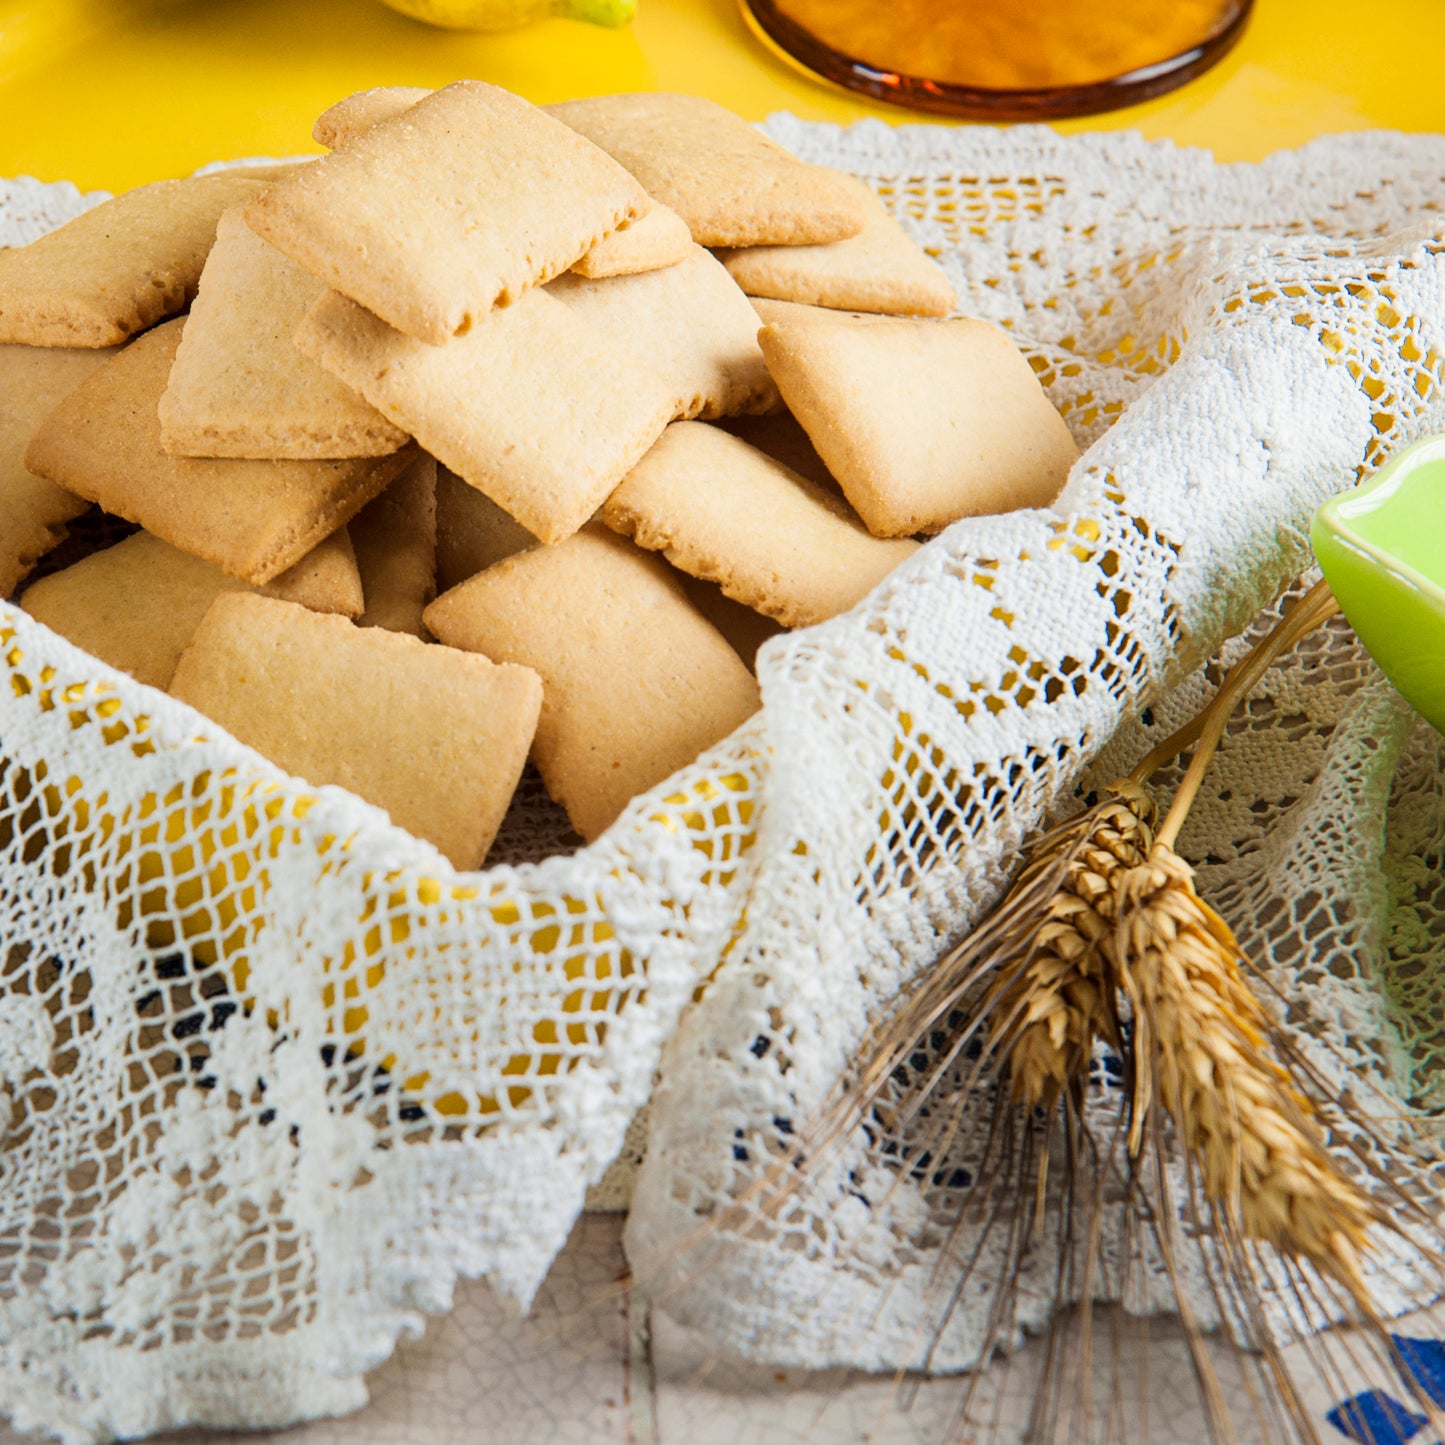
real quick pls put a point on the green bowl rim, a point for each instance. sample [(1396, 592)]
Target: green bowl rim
[(1332, 514)]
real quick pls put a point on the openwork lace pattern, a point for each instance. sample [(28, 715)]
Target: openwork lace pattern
[(274, 1075)]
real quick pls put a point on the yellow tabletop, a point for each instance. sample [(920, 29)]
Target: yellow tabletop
[(109, 93)]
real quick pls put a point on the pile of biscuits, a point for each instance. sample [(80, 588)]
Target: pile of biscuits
[(505, 354)]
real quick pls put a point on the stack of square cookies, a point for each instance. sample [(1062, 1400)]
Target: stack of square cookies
[(629, 384)]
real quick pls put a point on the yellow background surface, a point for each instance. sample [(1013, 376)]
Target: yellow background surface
[(109, 93)]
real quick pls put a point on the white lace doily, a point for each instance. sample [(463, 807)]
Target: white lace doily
[(275, 1075)]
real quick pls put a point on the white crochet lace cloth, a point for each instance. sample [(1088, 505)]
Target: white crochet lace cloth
[(274, 1074)]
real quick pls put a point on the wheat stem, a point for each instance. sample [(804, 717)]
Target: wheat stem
[(1315, 608)]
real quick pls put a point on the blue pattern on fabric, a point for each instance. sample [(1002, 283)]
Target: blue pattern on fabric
[(1375, 1418), (1424, 1362)]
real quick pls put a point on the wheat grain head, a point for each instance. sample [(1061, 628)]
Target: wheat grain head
[(1201, 1048), (1054, 999)]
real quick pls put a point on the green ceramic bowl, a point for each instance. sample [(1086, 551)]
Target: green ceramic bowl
[(1382, 548)]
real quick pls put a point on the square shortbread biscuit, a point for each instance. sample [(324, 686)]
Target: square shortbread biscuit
[(921, 422), (326, 579), (435, 736), (33, 511), (473, 532), (120, 267), (239, 387), (772, 540), (396, 547), (253, 519), (879, 269), (636, 682), (432, 218), (728, 182), (137, 604), (690, 324), (658, 237), (534, 407)]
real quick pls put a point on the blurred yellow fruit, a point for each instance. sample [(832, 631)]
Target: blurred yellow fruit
[(506, 14)]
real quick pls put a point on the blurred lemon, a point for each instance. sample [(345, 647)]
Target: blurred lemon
[(505, 14)]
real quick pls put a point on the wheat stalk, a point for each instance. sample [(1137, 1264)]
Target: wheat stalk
[(1126, 923), (1202, 1041), (1201, 1047), (1125, 919)]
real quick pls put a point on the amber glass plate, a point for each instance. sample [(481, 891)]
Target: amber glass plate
[(1002, 59)]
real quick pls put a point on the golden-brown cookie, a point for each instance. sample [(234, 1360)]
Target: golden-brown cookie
[(253, 519), (326, 579), (728, 182), (880, 269), (136, 605), (433, 217), (356, 114), (921, 422), (534, 407), (690, 324), (473, 532), (118, 268), (33, 511), (239, 387), (657, 237), (396, 544), (636, 682), (435, 736), (772, 540)]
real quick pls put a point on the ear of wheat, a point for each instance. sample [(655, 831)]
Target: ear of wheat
[(1126, 923), (1055, 1000), (1201, 1051)]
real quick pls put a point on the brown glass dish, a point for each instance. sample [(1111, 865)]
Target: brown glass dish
[(1002, 59)]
